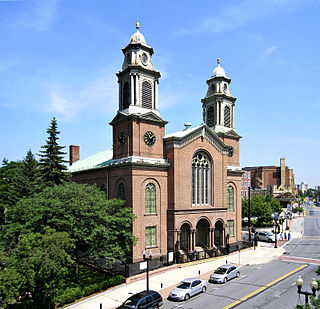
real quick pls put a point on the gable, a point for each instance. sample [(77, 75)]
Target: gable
[(149, 117)]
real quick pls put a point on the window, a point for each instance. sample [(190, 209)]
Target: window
[(201, 179), (121, 194), (150, 198), (210, 117), (230, 198), (146, 95), (227, 117), (230, 227), (126, 95), (151, 239), (245, 175)]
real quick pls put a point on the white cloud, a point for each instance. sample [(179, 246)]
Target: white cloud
[(39, 16), (99, 95), (236, 15)]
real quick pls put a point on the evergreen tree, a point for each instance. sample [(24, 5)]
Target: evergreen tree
[(30, 170), (52, 168)]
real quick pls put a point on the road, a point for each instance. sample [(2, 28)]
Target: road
[(270, 285)]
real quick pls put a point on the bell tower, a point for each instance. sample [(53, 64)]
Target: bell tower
[(218, 105), (138, 80)]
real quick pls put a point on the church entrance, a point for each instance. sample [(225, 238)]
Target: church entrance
[(218, 234), (185, 237), (202, 233)]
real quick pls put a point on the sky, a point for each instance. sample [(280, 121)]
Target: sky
[(58, 58)]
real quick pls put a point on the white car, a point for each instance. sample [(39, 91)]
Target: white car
[(225, 273), (187, 288), (265, 236)]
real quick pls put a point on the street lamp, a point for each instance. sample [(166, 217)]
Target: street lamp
[(313, 286), (147, 259), (275, 219)]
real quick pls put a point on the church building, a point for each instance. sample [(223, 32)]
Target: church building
[(184, 187)]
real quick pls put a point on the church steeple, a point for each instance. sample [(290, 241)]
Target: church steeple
[(218, 105), (138, 80)]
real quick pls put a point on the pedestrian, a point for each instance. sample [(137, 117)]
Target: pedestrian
[(285, 235), (281, 236), (289, 236)]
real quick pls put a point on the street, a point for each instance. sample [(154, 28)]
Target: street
[(270, 285)]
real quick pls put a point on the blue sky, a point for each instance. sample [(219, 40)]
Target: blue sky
[(59, 58)]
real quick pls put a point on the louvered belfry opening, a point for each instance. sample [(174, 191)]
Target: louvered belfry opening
[(227, 116), (211, 117), (126, 95), (146, 95)]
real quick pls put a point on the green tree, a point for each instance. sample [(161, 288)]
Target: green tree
[(30, 172), (245, 207), (52, 164), (99, 227), (37, 265)]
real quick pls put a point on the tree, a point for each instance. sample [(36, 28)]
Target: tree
[(37, 265), (52, 168), (30, 171), (99, 227)]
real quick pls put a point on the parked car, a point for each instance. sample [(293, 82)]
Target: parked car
[(143, 300), (225, 273), (265, 236), (187, 288)]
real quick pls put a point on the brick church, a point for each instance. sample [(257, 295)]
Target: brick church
[(184, 187)]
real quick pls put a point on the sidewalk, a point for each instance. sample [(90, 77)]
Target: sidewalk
[(114, 297)]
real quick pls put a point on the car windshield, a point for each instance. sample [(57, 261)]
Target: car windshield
[(269, 234), (220, 271), (131, 302), (184, 285)]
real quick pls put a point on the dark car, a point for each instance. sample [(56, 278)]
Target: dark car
[(143, 300)]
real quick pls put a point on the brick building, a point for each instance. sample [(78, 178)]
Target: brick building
[(245, 183), (183, 187)]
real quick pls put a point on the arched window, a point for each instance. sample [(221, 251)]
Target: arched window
[(201, 186), (146, 95), (227, 119), (121, 194), (126, 95), (150, 198), (210, 117), (230, 198)]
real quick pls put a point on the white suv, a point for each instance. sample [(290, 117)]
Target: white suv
[(265, 236)]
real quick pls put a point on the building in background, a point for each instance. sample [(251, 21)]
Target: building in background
[(303, 187), (245, 183), (184, 187), (276, 181)]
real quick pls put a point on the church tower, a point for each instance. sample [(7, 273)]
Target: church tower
[(218, 105), (138, 80), (138, 128)]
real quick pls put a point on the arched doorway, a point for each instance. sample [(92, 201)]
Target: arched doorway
[(218, 234), (185, 237), (202, 233)]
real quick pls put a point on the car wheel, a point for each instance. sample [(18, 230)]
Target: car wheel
[(225, 280), (156, 307), (187, 297), (238, 274), (269, 240), (203, 289)]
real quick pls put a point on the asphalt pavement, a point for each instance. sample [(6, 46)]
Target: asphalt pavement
[(165, 279)]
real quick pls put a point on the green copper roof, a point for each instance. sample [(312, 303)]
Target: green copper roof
[(97, 160)]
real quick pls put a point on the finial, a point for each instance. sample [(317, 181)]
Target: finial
[(137, 25), (218, 60)]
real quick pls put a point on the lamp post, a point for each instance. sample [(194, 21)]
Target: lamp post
[(249, 211), (147, 259), (313, 286), (275, 219)]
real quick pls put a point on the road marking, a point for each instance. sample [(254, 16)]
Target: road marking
[(244, 298)]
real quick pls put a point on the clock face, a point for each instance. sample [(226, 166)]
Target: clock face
[(121, 138), (149, 138), (144, 59), (230, 151)]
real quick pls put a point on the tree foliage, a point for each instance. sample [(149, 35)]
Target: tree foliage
[(52, 164), (37, 265), (100, 227), (262, 207)]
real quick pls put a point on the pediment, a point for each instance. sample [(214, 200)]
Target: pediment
[(183, 138), (150, 117)]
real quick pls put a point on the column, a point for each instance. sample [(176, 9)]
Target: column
[(190, 240), (211, 244), (178, 240), (132, 89)]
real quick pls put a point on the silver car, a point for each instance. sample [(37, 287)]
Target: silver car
[(265, 236), (187, 288), (225, 273)]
